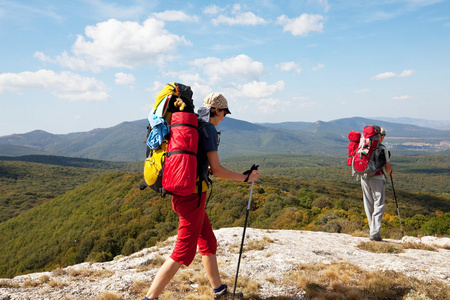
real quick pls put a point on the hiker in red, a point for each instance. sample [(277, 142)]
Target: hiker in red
[(194, 227)]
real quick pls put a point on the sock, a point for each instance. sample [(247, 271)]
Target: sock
[(219, 289)]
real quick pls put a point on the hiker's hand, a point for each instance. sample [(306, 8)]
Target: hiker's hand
[(388, 168), (253, 176)]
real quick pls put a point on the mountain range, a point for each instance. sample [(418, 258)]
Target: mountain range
[(126, 141)]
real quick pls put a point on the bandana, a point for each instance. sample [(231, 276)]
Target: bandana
[(203, 113)]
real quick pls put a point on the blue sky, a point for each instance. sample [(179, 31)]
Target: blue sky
[(71, 66)]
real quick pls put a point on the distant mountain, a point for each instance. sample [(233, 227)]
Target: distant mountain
[(14, 150), (126, 141), (442, 124), (343, 126)]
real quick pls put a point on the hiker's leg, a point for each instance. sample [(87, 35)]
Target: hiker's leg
[(212, 270), (163, 277), (189, 227), (207, 247), (379, 187), (368, 201)]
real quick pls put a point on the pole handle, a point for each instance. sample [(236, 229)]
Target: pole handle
[(248, 172)]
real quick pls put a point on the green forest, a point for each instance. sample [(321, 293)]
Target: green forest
[(55, 215)]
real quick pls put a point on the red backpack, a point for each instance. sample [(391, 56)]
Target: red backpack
[(354, 139), (172, 167), (180, 166), (364, 160)]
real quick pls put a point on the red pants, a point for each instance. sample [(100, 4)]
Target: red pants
[(194, 229)]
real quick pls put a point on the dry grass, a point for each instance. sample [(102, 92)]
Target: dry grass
[(346, 281), (37, 282), (257, 245), (103, 273), (59, 272), (8, 284), (108, 296), (140, 288), (381, 247), (151, 264), (419, 246), (386, 247), (58, 283)]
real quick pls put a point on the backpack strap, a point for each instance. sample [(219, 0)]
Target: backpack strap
[(200, 167)]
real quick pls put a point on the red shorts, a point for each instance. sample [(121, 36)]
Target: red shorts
[(194, 229)]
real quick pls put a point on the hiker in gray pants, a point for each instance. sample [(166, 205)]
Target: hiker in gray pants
[(373, 188)]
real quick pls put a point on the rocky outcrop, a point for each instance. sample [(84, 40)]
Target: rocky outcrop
[(269, 254)]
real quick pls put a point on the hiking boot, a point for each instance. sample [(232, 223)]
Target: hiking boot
[(224, 294), (375, 237)]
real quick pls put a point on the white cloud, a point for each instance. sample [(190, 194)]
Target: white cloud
[(363, 91), (268, 106), (67, 61), (289, 66), (261, 89), (175, 15), (385, 75), (407, 73), (238, 67), (238, 17), (119, 44), (212, 10), (318, 67), (405, 97), (65, 85), (301, 25), (324, 3), (124, 79), (199, 86)]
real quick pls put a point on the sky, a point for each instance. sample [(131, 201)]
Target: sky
[(73, 66)]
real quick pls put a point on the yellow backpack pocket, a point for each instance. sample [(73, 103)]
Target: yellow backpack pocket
[(154, 164)]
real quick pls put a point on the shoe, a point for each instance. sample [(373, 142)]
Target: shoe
[(224, 294), (375, 237)]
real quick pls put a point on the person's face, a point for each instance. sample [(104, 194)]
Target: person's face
[(220, 115)]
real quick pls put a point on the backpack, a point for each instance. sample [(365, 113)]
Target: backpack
[(369, 157), (354, 139), (171, 166)]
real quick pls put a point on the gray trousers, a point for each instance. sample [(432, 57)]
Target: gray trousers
[(373, 195)]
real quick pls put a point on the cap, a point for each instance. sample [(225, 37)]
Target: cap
[(382, 131), (216, 100)]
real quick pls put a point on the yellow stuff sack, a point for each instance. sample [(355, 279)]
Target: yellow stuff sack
[(153, 165), (168, 89)]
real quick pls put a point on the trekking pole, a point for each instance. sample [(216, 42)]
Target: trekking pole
[(396, 203), (254, 167)]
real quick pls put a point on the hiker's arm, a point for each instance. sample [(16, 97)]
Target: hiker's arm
[(218, 170), (388, 168)]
